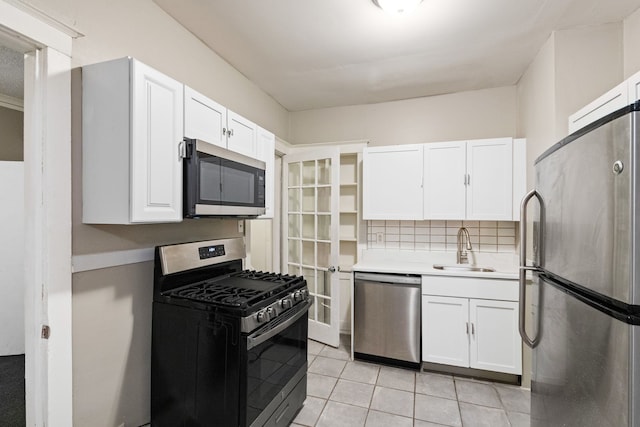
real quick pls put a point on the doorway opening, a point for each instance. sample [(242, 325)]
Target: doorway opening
[(12, 280)]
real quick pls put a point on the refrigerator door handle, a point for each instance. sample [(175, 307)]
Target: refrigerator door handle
[(522, 277)]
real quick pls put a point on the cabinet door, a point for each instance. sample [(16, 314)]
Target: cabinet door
[(157, 127), (495, 342), (204, 118), (266, 152), (444, 180), (241, 134), (445, 328), (490, 179), (392, 182)]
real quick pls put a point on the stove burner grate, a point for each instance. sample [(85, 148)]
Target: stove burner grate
[(241, 290)]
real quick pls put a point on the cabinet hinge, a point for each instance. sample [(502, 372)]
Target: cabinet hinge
[(46, 331)]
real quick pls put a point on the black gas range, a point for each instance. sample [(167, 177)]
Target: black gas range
[(229, 346)]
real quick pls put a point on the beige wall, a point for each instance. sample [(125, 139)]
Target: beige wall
[(631, 34), (112, 307), (536, 105), (11, 140), (588, 62), (571, 69), (465, 115)]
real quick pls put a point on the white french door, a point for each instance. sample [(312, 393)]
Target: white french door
[(311, 187)]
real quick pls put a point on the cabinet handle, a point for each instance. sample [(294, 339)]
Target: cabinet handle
[(468, 179), (467, 328), (224, 131), (230, 132), (473, 329)]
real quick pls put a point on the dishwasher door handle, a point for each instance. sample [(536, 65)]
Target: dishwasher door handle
[(395, 279)]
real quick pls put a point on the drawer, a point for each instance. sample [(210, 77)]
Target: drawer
[(471, 287)]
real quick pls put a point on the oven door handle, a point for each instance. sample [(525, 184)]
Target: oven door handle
[(259, 338)]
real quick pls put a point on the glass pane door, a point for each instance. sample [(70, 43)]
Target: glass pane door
[(311, 234)]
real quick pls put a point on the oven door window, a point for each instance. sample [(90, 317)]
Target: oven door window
[(272, 364)]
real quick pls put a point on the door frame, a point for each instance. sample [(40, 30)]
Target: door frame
[(47, 154)]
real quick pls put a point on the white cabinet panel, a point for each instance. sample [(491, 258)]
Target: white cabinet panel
[(490, 179), (444, 180), (204, 118), (266, 152), (132, 127), (241, 134), (611, 101), (156, 190), (392, 182), (495, 342), (519, 175), (633, 88), (209, 121), (444, 330)]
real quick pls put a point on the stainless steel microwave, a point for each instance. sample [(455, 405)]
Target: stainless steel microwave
[(219, 182)]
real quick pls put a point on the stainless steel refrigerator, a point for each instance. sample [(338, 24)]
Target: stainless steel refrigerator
[(585, 291)]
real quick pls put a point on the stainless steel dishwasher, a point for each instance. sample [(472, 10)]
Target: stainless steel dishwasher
[(387, 318)]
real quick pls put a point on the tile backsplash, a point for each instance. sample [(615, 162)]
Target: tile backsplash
[(486, 236)]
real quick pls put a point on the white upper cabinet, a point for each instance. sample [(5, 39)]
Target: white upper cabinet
[(204, 118), (483, 179), (490, 179), (611, 101), (633, 88), (266, 152), (392, 182), (132, 125), (209, 121), (241, 134), (444, 180), (620, 96), (469, 179)]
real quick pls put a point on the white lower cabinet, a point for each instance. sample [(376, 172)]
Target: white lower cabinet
[(471, 332), (444, 330)]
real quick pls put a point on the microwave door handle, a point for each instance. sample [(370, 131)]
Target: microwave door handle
[(255, 340)]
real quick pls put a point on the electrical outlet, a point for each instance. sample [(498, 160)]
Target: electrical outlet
[(241, 226), (380, 237)]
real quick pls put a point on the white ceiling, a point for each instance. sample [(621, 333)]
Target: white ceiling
[(11, 72), (323, 53)]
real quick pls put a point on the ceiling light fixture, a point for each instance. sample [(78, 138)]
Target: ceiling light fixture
[(399, 7)]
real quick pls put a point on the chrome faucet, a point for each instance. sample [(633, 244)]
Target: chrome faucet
[(463, 234)]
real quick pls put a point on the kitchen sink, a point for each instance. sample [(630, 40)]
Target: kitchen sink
[(463, 268)]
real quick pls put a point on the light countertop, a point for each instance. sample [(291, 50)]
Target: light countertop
[(421, 262)]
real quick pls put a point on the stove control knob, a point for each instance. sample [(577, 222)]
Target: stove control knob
[(286, 303), (261, 317), (271, 313), (305, 293), (297, 296)]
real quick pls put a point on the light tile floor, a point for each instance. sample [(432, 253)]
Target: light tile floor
[(351, 394)]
